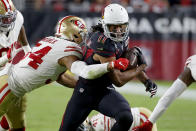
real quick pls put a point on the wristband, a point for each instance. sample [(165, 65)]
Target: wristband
[(112, 63)]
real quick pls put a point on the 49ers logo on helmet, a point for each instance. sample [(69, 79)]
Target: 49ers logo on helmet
[(79, 24)]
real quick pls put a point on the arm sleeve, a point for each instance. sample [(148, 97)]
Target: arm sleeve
[(80, 68)]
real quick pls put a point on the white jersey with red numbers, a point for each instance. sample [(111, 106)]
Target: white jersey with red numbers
[(40, 66), (9, 38), (191, 64), (101, 122)]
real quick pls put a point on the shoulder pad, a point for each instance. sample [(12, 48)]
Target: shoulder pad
[(102, 45), (99, 37)]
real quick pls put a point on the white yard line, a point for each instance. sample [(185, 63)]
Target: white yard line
[(137, 88)]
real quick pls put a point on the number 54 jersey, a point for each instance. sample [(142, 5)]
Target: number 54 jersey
[(40, 66)]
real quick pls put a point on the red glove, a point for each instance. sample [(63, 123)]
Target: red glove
[(9, 53), (146, 126), (121, 63)]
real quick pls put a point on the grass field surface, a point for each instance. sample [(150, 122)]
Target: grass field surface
[(46, 106)]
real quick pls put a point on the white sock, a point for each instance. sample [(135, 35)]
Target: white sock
[(169, 96), (2, 129)]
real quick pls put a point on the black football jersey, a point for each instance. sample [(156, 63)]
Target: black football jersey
[(99, 44)]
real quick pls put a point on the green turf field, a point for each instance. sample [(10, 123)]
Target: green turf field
[(47, 104)]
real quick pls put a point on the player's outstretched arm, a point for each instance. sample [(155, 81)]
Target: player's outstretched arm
[(97, 70), (67, 80), (80, 68)]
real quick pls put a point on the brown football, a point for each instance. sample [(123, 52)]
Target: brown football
[(131, 55)]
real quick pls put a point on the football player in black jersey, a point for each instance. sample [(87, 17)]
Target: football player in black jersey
[(105, 44)]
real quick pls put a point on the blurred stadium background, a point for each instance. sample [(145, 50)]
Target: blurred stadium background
[(164, 29)]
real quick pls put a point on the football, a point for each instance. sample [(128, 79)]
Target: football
[(131, 55)]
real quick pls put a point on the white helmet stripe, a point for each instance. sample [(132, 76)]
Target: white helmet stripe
[(59, 26), (7, 5)]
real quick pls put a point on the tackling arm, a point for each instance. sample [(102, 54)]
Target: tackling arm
[(94, 71), (89, 71), (67, 80), (81, 69)]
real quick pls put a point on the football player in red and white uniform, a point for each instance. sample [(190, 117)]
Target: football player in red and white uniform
[(12, 36), (101, 122), (186, 78), (46, 63), (12, 32)]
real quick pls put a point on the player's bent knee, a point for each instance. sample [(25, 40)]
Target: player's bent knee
[(125, 118)]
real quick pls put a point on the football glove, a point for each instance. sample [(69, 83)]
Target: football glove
[(121, 64), (151, 87)]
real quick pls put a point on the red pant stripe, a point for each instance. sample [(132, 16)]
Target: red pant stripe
[(3, 87), (4, 93)]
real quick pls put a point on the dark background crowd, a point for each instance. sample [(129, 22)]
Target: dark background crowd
[(164, 29), (156, 6)]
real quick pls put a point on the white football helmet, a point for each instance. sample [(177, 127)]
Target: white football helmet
[(72, 28), (115, 14), (7, 15)]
